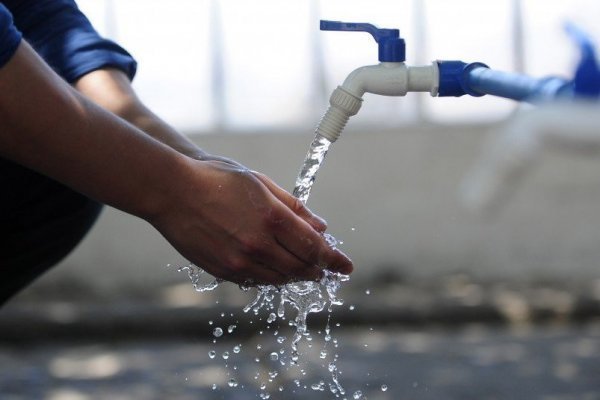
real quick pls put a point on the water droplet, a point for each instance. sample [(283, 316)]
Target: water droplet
[(232, 383), (225, 355), (230, 328), (351, 308), (273, 374), (353, 229), (212, 354), (357, 395), (237, 348), (210, 322), (281, 388), (257, 359), (384, 388), (274, 356), (318, 386), (367, 292), (218, 332), (258, 347), (272, 317), (280, 339), (263, 386), (214, 386), (323, 354)]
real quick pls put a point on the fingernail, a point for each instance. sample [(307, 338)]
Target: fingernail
[(322, 224)]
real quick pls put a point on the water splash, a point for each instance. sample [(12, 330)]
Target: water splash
[(196, 274), (305, 297)]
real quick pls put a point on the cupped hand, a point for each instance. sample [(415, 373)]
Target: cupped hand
[(240, 226)]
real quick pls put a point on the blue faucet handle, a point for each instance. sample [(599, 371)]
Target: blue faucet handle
[(586, 82), (392, 47)]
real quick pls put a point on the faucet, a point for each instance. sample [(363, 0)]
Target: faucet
[(391, 77), (443, 78)]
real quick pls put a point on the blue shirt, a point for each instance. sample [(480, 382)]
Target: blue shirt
[(61, 35)]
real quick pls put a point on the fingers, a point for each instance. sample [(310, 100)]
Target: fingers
[(291, 266), (301, 237), (297, 237), (293, 203)]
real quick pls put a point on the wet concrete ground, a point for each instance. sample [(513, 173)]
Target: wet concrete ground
[(557, 362)]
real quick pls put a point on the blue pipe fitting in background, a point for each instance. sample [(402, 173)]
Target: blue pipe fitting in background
[(454, 76)]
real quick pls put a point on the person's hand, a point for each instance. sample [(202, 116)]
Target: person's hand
[(286, 198), (240, 226)]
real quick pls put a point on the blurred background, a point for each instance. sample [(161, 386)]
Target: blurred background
[(445, 304)]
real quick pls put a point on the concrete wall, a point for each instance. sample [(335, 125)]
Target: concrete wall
[(391, 197)]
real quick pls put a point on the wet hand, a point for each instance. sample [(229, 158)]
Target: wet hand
[(240, 226)]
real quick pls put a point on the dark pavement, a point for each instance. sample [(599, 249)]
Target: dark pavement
[(471, 362), (452, 339)]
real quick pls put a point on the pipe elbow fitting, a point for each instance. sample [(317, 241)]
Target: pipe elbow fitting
[(387, 79), (393, 79)]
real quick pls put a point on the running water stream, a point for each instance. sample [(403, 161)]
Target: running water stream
[(313, 161), (306, 296)]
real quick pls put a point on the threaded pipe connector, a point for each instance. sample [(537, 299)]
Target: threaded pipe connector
[(343, 105)]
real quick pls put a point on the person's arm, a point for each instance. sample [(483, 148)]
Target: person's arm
[(111, 89), (220, 216)]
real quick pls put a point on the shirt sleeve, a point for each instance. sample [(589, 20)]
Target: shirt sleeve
[(65, 38), (10, 37)]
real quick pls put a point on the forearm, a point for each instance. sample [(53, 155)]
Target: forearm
[(111, 89), (49, 127)]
